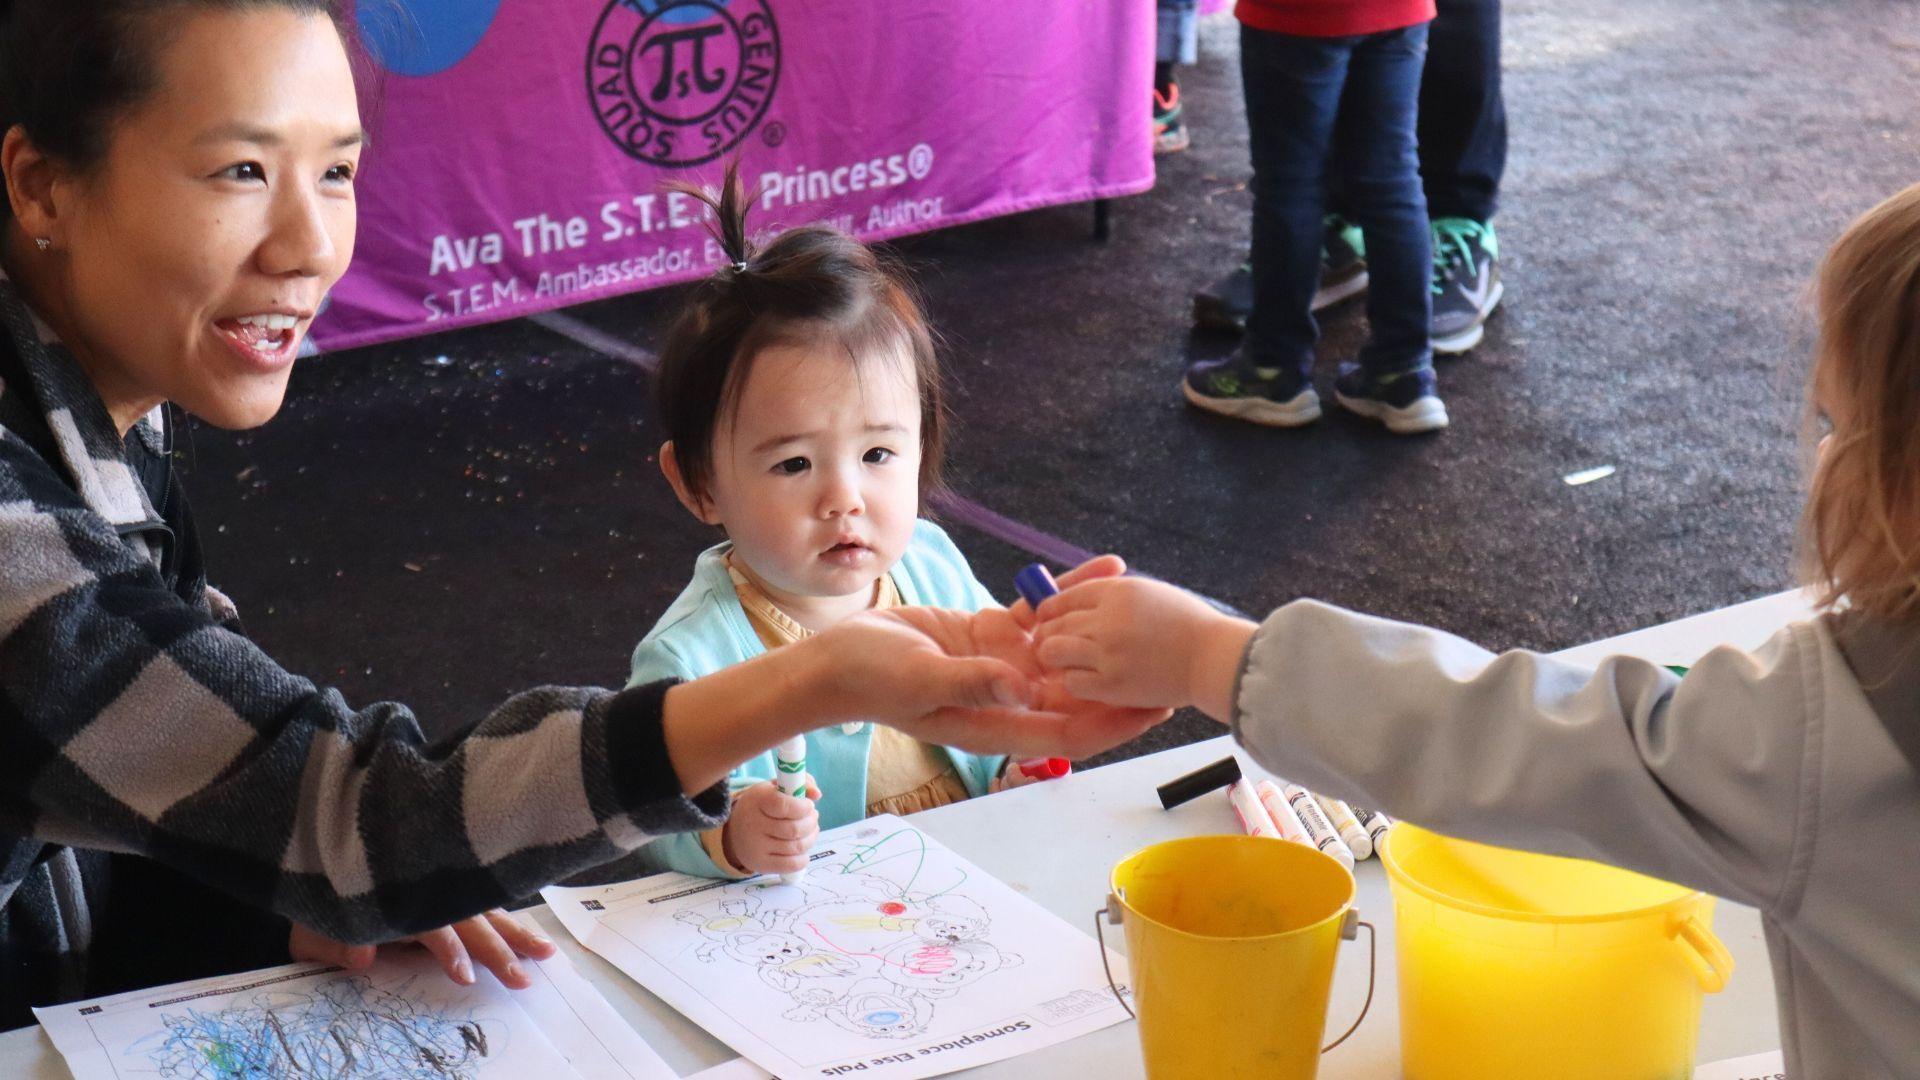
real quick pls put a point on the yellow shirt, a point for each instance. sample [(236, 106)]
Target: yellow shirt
[(904, 775)]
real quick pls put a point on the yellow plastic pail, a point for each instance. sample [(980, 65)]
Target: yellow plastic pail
[(1231, 942), (1516, 966)]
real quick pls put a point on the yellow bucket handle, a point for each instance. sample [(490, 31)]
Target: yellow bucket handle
[(1349, 930), (1712, 963)]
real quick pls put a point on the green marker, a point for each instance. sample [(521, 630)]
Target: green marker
[(791, 761)]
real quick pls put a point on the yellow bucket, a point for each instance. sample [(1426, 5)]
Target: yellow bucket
[(1516, 966), (1231, 941)]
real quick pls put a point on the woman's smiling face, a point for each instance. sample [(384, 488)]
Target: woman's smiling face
[(192, 259)]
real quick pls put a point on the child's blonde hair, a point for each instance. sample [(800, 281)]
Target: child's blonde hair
[(1861, 531)]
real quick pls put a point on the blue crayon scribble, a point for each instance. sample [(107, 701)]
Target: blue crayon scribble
[(342, 1029)]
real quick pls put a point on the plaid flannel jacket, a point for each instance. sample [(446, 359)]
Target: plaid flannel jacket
[(134, 718)]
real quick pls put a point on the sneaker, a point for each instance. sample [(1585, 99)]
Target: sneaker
[(1343, 263), (1169, 129), (1234, 387), (1466, 282), (1226, 303), (1406, 402)]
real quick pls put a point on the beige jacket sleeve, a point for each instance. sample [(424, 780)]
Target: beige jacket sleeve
[(1704, 780)]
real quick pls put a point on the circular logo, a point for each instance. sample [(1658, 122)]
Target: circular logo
[(681, 82), (920, 161), (423, 37)]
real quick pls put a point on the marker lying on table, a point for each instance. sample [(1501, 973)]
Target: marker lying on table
[(1282, 814), (1198, 782), (1324, 835), (1375, 822), (1349, 827), (791, 759), (1253, 817)]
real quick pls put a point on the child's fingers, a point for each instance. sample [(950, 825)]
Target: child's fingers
[(1100, 566), (790, 808), (1078, 599), (781, 831), (1072, 624), (521, 936), (445, 946), (813, 790), (1096, 687), (490, 950), (1069, 654)]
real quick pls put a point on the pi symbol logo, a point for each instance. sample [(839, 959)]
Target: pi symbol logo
[(681, 82), (423, 37)]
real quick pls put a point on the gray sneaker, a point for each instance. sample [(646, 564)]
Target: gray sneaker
[(1466, 282)]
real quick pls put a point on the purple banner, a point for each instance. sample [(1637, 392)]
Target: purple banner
[(520, 146)]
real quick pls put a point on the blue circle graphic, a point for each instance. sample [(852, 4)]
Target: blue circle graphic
[(677, 11), (423, 37)]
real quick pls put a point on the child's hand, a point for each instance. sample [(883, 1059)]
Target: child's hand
[(1011, 776), (1100, 566), (495, 939), (1144, 644), (770, 832), (968, 680)]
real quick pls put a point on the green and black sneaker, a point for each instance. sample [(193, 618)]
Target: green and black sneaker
[(1235, 387), (1466, 282), (1226, 303)]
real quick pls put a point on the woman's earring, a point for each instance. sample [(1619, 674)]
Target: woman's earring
[(43, 243)]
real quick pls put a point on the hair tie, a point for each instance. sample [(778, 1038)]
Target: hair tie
[(740, 266)]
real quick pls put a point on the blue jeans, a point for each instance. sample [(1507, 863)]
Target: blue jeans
[(1316, 106), (1178, 37)]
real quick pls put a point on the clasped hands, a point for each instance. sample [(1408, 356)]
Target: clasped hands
[(976, 681)]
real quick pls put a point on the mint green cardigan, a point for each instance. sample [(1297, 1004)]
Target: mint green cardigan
[(706, 629)]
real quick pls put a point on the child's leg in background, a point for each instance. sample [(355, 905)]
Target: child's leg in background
[(1379, 161), (1178, 43), (1293, 91), (1178, 37), (1463, 118)]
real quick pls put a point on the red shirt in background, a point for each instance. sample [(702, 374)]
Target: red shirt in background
[(1332, 18)]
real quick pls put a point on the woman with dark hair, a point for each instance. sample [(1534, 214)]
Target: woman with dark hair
[(179, 183)]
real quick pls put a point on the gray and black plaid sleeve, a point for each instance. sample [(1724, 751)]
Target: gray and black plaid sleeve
[(131, 721)]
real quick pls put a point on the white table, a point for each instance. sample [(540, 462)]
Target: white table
[(1057, 841)]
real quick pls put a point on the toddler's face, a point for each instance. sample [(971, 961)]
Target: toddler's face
[(816, 476)]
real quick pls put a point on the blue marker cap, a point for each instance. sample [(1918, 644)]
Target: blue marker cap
[(1034, 584)]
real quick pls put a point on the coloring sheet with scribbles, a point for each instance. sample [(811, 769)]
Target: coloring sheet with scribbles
[(401, 1019), (893, 957)]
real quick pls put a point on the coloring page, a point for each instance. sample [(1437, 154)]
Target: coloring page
[(402, 1019), (892, 956)]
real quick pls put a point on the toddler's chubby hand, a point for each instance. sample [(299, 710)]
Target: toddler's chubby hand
[(1141, 644), (770, 832), (1011, 777)]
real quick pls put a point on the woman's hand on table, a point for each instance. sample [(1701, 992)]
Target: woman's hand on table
[(495, 940)]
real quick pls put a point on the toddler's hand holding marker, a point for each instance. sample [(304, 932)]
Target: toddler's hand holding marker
[(791, 760), (771, 829), (1141, 644)]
